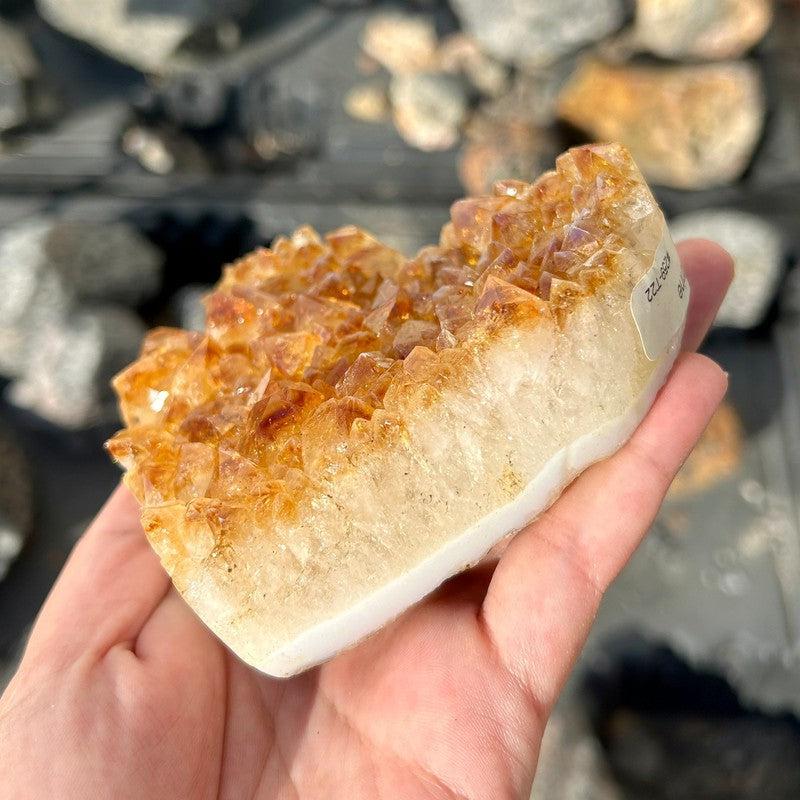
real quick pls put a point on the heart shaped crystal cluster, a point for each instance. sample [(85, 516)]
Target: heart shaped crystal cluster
[(322, 438)]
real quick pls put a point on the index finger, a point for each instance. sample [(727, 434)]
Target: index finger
[(709, 269), (108, 588)]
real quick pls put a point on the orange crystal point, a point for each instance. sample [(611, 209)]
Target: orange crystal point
[(305, 340)]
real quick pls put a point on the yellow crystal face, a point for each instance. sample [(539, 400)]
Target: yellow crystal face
[(305, 341)]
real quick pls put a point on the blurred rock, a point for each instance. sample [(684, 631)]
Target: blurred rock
[(108, 262), (689, 127), (280, 119), (13, 109), (72, 360), (758, 251), (531, 100), (429, 109), (18, 69), (92, 261), (669, 731), (461, 54), (194, 99), (701, 29), (47, 267), (498, 152), (16, 52), (16, 501), (666, 756), (149, 149), (718, 454), (509, 138), (31, 292), (143, 33), (187, 306), (537, 33), (368, 102), (403, 44)]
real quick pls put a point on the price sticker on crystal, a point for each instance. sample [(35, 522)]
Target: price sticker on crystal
[(660, 299)]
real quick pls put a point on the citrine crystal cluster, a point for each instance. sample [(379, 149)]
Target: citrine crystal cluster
[(354, 426), (311, 336)]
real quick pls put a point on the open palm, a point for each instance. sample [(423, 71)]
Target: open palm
[(123, 693)]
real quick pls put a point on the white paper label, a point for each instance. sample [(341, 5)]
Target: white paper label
[(660, 299)]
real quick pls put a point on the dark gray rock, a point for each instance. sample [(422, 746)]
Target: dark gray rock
[(104, 262), (532, 97), (196, 98), (72, 360), (280, 119), (537, 33)]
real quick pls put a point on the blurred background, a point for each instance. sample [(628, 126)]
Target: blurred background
[(144, 143)]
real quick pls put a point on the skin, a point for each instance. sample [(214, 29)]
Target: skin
[(122, 693)]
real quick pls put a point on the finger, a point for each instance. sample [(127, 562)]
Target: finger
[(174, 636), (109, 586), (709, 270), (174, 654), (548, 584)]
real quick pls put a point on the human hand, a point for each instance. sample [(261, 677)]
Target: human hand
[(123, 693)]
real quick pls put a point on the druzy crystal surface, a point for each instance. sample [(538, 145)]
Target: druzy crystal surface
[(304, 341)]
